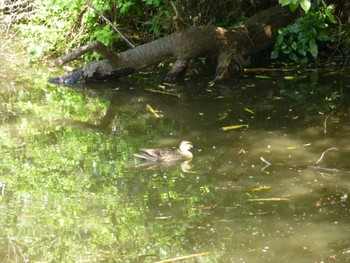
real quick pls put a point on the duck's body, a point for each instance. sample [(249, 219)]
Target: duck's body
[(167, 154)]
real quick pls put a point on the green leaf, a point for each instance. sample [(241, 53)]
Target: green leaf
[(329, 12), (284, 2), (313, 48), (302, 49), (293, 6), (303, 61), (274, 54), (323, 38), (293, 57), (294, 28), (305, 5), (279, 40)]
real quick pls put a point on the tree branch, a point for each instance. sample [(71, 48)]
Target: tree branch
[(95, 45), (111, 24)]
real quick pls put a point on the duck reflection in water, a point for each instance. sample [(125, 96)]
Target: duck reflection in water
[(167, 156)]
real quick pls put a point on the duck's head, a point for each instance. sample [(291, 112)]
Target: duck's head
[(185, 146)]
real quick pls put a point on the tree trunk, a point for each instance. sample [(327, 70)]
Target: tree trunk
[(229, 45)]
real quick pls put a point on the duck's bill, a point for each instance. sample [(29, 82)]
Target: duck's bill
[(196, 149)]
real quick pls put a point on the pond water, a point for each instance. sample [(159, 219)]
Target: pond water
[(273, 188)]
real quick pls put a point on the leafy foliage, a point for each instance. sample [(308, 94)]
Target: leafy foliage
[(300, 40), (293, 4), (59, 26)]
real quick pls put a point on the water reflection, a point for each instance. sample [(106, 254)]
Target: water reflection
[(185, 166), (71, 191)]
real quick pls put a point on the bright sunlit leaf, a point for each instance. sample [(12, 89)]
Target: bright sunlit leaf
[(293, 6), (305, 5)]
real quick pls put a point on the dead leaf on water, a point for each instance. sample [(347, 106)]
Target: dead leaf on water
[(241, 151), (320, 201)]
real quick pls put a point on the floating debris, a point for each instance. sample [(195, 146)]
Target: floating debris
[(267, 199), (260, 188), (153, 111), (163, 92), (234, 127), (250, 111)]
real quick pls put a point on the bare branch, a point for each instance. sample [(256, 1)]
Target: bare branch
[(111, 24), (95, 45)]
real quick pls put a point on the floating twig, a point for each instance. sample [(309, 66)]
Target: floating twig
[(325, 125), (250, 111), (163, 92), (266, 162), (320, 159), (234, 127), (184, 257), (260, 188), (267, 199), (255, 70), (153, 111)]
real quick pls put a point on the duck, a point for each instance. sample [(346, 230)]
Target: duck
[(167, 154)]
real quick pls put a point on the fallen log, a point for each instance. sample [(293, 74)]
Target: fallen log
[(228, 45)]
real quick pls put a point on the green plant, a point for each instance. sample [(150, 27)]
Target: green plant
[(293, 4), (55, 27), (300, 40)]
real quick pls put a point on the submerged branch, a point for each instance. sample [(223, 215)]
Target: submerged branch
[(324, 169)]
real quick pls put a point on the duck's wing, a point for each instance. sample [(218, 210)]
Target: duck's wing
[(171, 155), (142, 156), (152, 155), (160, 154), (152, 152)]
